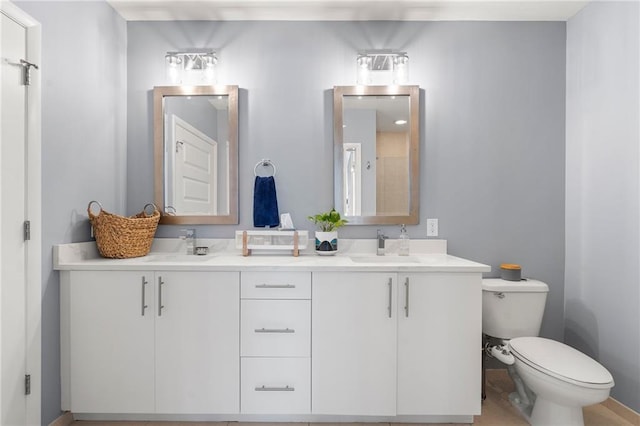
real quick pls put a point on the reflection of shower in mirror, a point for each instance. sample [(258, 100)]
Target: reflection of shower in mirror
[(352, 179)]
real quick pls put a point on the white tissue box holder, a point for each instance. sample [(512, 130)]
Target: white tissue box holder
[(272, 240)]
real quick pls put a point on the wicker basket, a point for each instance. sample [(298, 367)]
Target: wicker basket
[(122, 237)]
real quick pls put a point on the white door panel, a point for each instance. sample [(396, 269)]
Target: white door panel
[(195, 175), (12, 249), (20, 276)]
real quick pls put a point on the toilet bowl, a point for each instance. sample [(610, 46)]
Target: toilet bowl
[(553, 381), (563, 379)]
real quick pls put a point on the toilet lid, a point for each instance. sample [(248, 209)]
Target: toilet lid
[(525, 286), (561, 361)]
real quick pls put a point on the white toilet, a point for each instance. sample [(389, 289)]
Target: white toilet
[(553, 380)]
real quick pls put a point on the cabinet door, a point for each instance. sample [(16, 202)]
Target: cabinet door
[(439, 343), (111, 342), (197, 342), (353, 343)]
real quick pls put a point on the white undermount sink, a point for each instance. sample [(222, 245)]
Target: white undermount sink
[(384, 259)]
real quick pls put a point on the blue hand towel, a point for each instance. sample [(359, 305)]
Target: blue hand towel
[(265, 203)]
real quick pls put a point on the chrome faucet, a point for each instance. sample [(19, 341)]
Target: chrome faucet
[(190, 240), (381, 238)]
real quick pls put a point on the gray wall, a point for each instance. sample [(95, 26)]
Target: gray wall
[(602, 294), (492, 143), (83, 144)]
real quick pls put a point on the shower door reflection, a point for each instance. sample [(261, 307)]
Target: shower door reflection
[(353, 179)]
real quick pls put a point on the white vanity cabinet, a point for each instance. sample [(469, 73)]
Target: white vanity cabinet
[(197, 355), (110, 341), (354, 343), (439, 341), (396, 344), (271, 338), (151, 342)]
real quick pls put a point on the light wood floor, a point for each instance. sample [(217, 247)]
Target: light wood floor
[(496, 411)]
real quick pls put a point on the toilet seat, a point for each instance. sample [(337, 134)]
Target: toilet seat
[(561, 361)]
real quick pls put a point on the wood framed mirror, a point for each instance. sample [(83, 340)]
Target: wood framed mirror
[(196, 154), (376, 154)]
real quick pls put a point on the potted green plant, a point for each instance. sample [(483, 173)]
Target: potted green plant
[(327, 233)]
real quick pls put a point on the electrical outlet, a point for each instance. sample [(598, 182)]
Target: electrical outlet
[(432, 227)]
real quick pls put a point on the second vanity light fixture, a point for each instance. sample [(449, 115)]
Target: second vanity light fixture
[(192, 67), (382, 67)]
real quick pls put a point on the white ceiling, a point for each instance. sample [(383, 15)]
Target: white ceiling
[(347, 10)]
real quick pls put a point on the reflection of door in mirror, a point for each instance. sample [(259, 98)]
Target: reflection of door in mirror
[(352, 179), (193, 179), (379, 126), (196, 161)]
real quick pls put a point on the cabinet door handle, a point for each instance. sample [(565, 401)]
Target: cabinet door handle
[(275, 286), (160, 305), (275, 330), (144, 294), (390, 296), (264, 388), (406, 297)]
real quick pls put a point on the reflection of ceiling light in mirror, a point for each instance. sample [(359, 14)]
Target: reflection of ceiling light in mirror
[(194, 67), (400, 122)]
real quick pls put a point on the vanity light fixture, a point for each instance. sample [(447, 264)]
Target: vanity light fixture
[(382, 67), (193, 67)]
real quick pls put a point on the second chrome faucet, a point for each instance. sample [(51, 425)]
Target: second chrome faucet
[(381, 243)]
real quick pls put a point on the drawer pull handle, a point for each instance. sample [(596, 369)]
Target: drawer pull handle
[(275, 286), (275, 330), (264, 388)]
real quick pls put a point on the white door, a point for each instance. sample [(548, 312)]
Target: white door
[(197, 342), (112, 341), (19, 259), (196, 170), (354, 344)]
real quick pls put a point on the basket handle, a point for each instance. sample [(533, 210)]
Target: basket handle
[(89, 208)]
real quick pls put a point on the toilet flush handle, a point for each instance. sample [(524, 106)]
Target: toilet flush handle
[(499, 294)]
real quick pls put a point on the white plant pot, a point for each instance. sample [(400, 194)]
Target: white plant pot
[(326, 242)]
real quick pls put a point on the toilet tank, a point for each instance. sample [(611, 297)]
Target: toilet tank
[(512, 309)]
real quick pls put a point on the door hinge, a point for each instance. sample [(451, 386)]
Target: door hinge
[(27, 230), (27, 384)]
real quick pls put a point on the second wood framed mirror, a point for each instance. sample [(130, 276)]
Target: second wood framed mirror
[(376, 154)]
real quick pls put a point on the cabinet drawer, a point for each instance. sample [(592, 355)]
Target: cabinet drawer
[(275, 328), (275, 386), (275, 285)]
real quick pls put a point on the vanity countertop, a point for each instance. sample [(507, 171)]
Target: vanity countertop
[(354, 255)]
